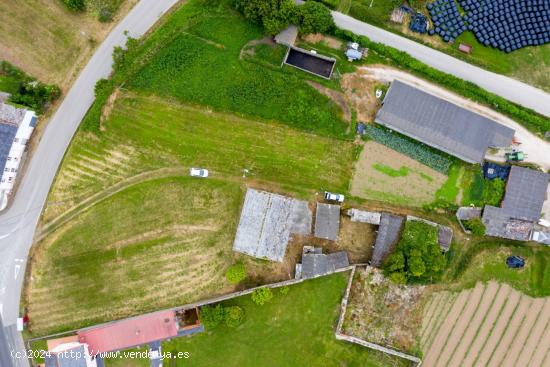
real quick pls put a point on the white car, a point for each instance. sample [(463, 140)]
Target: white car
[(198, 172), (334, 197)]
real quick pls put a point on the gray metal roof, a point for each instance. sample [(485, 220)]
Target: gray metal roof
[(7, 133), (266, 222), (287, 36), (441, 124), (388, 235), (316, 263), (75, 357), (525, 193), (444, 237), (327, 221), (499, 224)]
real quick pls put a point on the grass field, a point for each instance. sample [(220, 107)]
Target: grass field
[(531, 64), (383, 174), (296, 329), (152, 222), (46, 40)]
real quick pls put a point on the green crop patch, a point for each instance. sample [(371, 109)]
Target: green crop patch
[(401, 172)]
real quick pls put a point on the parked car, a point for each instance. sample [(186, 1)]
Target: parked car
[(330, 196), (515, 262), (198, 172)]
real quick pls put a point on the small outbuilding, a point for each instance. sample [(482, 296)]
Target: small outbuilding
[(287, 36), (315, 263), (388, 235), (327, 221)]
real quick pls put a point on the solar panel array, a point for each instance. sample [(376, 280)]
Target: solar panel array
[(503, 24)]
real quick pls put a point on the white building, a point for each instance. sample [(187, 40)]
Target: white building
[(16, 127)]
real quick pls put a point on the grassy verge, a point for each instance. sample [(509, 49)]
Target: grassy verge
[(295, 329), (449, 191)]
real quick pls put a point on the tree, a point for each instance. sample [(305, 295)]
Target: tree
[(262, 296), (75, 5), (236, 273), (493, 191), (234, 316), (273, 15), (417, 256), (212, 316), (315, 18)]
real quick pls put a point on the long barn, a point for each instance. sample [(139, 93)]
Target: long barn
[(441, 124)]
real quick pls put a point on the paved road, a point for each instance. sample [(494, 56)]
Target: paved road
[(18, 223), (508, 88)]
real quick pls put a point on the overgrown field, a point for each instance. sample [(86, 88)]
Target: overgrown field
[(294, 329), (196, 57), (531, 64), (46, 40)]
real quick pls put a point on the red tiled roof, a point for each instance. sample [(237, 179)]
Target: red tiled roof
[(130, 332)]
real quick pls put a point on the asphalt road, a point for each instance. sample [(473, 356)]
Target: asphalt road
[(506, 87), (18, 223)]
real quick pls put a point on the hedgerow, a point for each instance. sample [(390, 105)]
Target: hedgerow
[(418, 151), (526, 116)]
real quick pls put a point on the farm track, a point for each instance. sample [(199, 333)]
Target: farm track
[(526, 328), (446, 328), (102, 195), (534, 338), (510, 332), (461, 350)]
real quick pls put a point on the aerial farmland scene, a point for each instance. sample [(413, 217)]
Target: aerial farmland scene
[(274, 183)]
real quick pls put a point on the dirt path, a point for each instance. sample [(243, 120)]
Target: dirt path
[(505, 298), (537, 150), (462, 324), (526, 329), (512, 328), (475, 324), (446, 328), (537, 358), (534, 338)]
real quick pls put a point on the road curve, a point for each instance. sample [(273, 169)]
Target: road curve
[(503, 86), (18, 223)]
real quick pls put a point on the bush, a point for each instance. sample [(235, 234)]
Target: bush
[(236, 273), (315, 18), (262, 296), (418, 151), (28, 91), (476, 226), (103, 90), (75, 5), (233, 316), (493, 191), (212, 316), (284, 290), (417, 257)]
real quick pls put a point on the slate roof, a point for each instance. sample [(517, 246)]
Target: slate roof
[(441, 124), (388, 235), (327, 221), (468, 212), (287, 36), (64, 359), (525, 193), (315, 263), (444, 237), (499, 224)]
